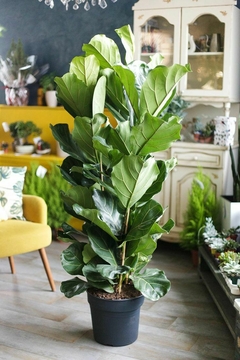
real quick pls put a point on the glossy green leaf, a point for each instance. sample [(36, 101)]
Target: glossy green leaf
[(152, 283), (159, 86), (105, 50), (154, 134), (128, 80), (103, 245), (62, 135), (131, 177), (143, 219), (112, 272), (74, 287), (127, 38), (109, 210), (72, 259), (99, 95), (75, 95), (93, 216), (85, 68)]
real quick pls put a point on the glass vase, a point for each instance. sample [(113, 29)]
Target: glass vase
[(17, 96)]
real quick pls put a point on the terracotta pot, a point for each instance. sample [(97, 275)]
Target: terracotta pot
[(195, 260)]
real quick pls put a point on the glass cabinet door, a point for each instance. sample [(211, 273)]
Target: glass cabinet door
[(203, 47), (157, 36), (158, 33)]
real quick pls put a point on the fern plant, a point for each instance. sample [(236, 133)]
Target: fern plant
[(202, 203), (48, 188)]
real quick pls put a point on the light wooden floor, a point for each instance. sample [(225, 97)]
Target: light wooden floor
[(37, 324)]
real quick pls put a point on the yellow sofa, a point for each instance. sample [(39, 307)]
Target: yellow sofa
[(18, 236)]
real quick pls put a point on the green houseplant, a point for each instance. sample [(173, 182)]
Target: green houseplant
[(47, 82), (49, 89), (47, 187), (202, 204), (114, 174), (20, 131)]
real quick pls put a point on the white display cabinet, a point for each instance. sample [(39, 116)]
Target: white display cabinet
[(204, 34)]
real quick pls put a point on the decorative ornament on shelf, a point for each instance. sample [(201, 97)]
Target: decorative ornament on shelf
[(18, 71), (101, 3)]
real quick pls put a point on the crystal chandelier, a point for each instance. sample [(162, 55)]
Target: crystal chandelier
[(101, 3)]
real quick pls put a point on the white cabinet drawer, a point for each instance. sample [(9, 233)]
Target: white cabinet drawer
[(203, 158), (162, 155)]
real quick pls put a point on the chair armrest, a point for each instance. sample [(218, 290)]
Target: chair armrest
[(34, 209)]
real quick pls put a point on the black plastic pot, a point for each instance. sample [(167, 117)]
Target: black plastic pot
[(115, 322)]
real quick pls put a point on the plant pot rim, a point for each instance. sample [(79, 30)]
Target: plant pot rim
[(229, 198), (114, 300)]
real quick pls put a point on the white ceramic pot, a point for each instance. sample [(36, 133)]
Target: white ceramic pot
[(230, 213), (24, 149), (51, 98)]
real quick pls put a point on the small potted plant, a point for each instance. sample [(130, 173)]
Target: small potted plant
[(49, 89), (204, 133), (114, 177), (20, 131)]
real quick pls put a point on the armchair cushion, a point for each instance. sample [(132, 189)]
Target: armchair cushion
[(11, 186), (18, 237)]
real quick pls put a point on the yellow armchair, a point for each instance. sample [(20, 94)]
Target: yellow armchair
[(19, 237)]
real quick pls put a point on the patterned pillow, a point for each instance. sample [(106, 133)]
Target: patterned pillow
[(11, 186)]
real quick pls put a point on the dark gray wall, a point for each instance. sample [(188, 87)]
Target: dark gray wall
[(56, 35)]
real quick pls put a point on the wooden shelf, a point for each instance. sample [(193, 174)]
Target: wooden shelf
[(221, 294), (12, 159)]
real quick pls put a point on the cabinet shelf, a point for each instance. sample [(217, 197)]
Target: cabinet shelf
[(151, 54), (206, 54)]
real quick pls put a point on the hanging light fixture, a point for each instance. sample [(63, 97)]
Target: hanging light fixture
[(86, 3)]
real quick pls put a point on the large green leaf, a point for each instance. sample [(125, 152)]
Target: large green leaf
[(83, 132), (120, 138), (109, 210), (140, 70), (95, 278), (127, 38), (159, 86), (72, 177), (99, 94), (156, 186), (80, 195), (143, 219), (85, 68), (132, 176), (155, 134), (82, 135), (103, 245), (62, 135), (127, 78), (105, 50), (152, 283), (72, 259), (73, 287), (144, 246), (93, 216), (115, 94), (112, 272), (75, 95)]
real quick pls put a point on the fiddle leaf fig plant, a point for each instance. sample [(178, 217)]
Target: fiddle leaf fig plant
[(111, 165)]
